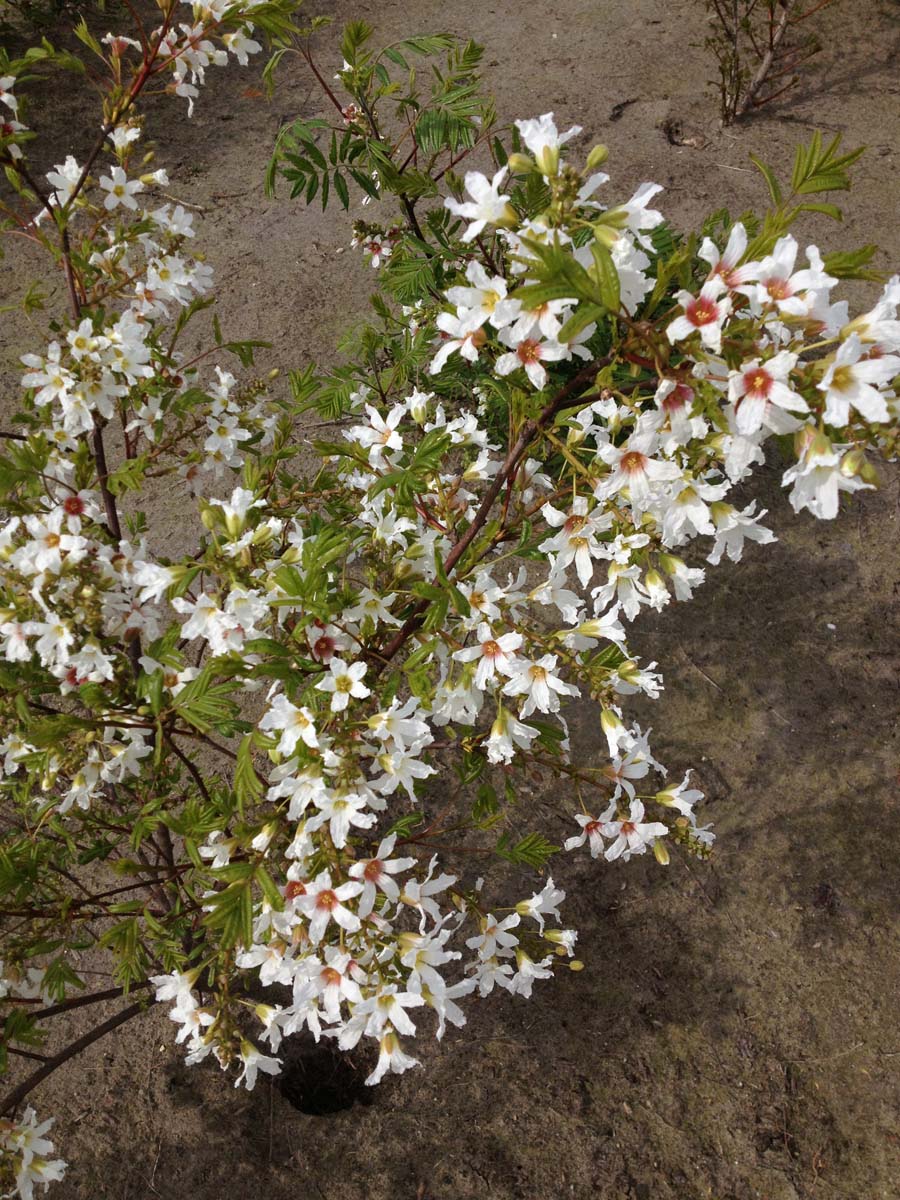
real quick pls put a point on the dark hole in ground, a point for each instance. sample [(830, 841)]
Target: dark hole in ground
[(318, 1079)]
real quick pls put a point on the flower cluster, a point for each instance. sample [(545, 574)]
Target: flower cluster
[(282, 734)]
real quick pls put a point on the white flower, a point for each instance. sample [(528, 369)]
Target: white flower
[(400, 768), (704, 314), (295, 724), (398, 724), (495, 655), (507, 732), (254, 1061), (576, 541), (241, 45), (541, 688), (484, 300), (641, 217), (632, 834), (529, 354), (63, 178), (760, 393), (724, 265), (344, 681), (458, 336), (323, 903), (817, 479), (543, 140), (340, 811), (528, 971), (634, 470), (487, 205), (120, 189), (495, 936), (376, 873), (849, 383), (380, 434), (591, 832), (733, 527), (390, 1058), (780, 285), (544, 903)]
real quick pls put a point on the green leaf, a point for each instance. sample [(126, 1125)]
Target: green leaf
[(231, 914), (606, 276), (851, 264), (269, 888), (343, 193), (486, 806), (769, 176), (533, 850), (248, 787), (828, 210), (579, 320), (404, 825)]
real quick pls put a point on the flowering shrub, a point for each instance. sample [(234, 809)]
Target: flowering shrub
[(220, 766)]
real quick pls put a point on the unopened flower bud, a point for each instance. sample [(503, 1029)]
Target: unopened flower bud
[(852, 463), (548, 161), (613, 218), (869, 475), (808, 440), (597, 157), (520, 164), (591, 629), (576, 965), (671, 564), (522, 959), (661, 853), (610, 722), (605, 236)]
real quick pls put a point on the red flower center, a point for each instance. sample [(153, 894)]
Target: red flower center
[(758, 382), (323, 648), (702, 311), (679, 398)]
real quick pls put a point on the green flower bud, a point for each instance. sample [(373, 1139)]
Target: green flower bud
[(597, 157)]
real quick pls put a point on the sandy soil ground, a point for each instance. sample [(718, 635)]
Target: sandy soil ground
[(734, 1035)]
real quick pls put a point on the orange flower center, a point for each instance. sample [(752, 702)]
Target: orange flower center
[(529, 351)]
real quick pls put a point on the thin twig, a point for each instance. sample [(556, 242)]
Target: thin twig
[(766, 65)]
